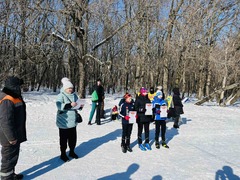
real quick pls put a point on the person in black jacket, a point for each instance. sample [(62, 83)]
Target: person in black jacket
[(100, 110), (143, 120), (126, 106), (178, 106), (12, 126)]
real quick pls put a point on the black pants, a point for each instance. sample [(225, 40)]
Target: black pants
[(126, 134), (176, 120), (159, 124), (146, 131), (67, 136), (98, 115), (10, 156)]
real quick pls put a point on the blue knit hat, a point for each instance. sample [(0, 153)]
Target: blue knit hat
[(159, 93)]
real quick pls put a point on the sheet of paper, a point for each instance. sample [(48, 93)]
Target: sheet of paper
[(132, 115), (148, 108), (163, 111), (80, 103)]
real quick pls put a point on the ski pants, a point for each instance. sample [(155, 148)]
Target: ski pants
[(160, 124), (94, 105), (126, 134), (67, 136), (9, 160), (176, 120), (98, 115), (144, 125)]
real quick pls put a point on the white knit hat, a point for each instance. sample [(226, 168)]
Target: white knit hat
[(66, 83)]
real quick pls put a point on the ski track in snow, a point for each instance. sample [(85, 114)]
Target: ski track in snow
[(205, 147)]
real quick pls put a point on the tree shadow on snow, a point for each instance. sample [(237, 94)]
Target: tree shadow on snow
[(123, 175), (42, 168), (226, 173), (89, 146)]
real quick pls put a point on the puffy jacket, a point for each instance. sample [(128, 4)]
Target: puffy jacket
[(100, 92), (140, 106), (157, 103), (123, 110), (12, 118), (66, 116), (178, 106)]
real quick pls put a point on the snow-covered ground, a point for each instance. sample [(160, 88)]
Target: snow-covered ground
[(206, 146)]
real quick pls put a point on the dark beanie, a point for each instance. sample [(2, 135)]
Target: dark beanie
[(13, 84)]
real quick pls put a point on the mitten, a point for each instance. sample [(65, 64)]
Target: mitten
[(127, 118), (158, 111)]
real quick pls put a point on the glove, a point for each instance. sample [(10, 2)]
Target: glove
[(167, 111), (127, 118), (158, 112), (136, 116), (141, 110)]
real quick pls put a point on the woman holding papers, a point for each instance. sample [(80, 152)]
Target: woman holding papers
[(160, 116), (142, 106), (127, 122), (66, 119)]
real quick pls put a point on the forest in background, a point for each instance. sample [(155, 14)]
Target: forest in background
[(193, 45)]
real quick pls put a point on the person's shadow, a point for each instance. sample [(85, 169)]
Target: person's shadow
[(158, 177), (226, 173), (82, 150), (123, 175), (87, 147)]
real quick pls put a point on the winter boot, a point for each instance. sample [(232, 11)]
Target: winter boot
[(64, 157), (129, 149), (164, 144), (73, 155), (176, 126), (17, 176), (157, 145), (124, 149), (142, 147), (147, 145)]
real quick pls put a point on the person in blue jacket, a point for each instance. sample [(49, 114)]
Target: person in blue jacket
[(159, 120), (126, 106), (66, 119)]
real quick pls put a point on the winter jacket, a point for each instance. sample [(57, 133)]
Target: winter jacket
[(123, 110), (66, 116), (157, 103), (140, 107), (178, 106), (100, 92), (151, 96), (12, 118)]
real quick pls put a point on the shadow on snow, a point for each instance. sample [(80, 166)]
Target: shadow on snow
[(83, 149)]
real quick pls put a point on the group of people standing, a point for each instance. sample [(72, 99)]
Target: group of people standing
[(143, 120), (13, 119)]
